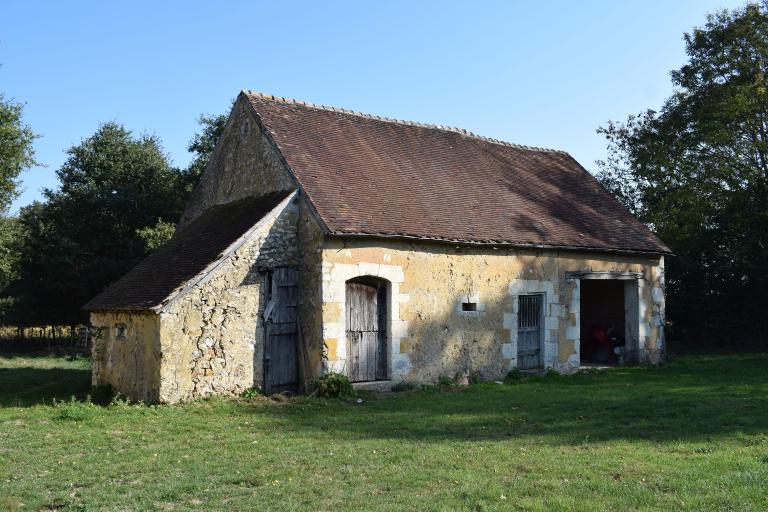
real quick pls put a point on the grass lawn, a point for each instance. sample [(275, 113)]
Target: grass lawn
[(691, 435)]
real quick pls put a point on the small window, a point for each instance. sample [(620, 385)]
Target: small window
[(529, 315), (469, 305), (120, 331)]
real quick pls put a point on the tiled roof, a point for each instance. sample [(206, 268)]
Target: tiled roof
[(367, 175), (188, 254)]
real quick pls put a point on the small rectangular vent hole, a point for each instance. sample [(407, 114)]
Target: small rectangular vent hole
[(469, 306)]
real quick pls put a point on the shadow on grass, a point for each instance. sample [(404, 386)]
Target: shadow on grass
[(691, 399), (27, 380)]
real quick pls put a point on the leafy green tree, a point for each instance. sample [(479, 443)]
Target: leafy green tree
[(157, 235), (86, 234), (16, 150), (16, 154), (119, 199), (10, 253), (696, 171), (202, 146)]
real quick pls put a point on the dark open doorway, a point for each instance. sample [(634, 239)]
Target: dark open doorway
[(603, 320)]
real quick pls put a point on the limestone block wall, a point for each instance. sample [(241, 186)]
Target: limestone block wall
[(126, 353), (212, 337), (244, 164), (432, 337)]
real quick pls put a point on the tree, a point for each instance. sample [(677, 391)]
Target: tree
[(119, 199), (87, 233), (16, 154), (696, 172), (10, 254), (155, 236), (16, 150), (202, 146)]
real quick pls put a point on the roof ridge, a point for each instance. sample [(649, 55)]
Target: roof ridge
[(452, 129)]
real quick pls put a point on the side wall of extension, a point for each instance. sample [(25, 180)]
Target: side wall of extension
[(431, 336), (126, 353), (212, 337)]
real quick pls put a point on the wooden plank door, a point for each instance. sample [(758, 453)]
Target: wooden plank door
[(366, 333), (281, 344), (530, 317)]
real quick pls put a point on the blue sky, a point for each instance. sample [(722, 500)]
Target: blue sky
[(537, 73)]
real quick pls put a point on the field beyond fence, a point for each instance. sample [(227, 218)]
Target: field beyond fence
[(50, 339)]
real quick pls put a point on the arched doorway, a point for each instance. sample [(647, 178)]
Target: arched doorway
[(366, 328)]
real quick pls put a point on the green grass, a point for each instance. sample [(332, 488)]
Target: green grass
[(691, 435)]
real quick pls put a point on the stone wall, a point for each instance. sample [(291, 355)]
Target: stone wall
[(212, 337), (244, 164), (430, 336), (126, 353), (310, 306)]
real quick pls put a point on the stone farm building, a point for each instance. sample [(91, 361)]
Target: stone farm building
[(321, 239)]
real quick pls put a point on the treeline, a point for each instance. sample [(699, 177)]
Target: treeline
[(118, 198), (696, 172)]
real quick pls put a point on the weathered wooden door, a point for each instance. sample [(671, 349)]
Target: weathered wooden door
[(529, 331), (366, 330), (281, 367)]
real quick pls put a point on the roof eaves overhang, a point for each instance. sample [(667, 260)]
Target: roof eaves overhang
[(498, 243)]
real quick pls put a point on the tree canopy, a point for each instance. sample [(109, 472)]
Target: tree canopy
[(118, 199), (16, 154), (16, 150), (696, 171), (87, 232), (202, 146)]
